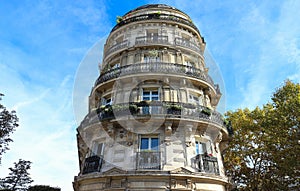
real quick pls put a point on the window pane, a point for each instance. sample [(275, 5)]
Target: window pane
[(203, 148), (100, 149), (197, 148), (154, 143), (155, 98), (144, 143), (146, 98)]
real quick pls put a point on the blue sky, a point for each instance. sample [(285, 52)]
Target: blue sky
[(43, 45)]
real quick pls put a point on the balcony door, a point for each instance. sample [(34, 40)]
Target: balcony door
[(150, 95), (149, 155), (94, 160), (152, 35)]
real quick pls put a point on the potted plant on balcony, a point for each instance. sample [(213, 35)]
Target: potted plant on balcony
[(174, 109), (119, 19), (153, 53), (206, 111), (133, 108), (157, 14), (144, 103)]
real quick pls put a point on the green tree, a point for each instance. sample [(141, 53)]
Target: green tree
[(43, 188), (18, 179), (265, 147), (8, 123)]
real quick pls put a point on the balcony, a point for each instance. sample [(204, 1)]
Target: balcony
[(154, 67), (207, 164), (92, 164), (161, 109), (148, 160), (148, 40), (185, 43), (117, 46), (163, 17)]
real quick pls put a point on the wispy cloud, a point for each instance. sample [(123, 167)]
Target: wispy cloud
[(40, 49)]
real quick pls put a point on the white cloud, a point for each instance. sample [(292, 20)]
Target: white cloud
[(46, 135)]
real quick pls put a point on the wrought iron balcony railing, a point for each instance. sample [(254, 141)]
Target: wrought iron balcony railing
[(186, 43), (117, 46), (207, 164), (148, 160), (161, 109), (144, 40), (150, 40), (165, 17), (154, 67), (92, 164)]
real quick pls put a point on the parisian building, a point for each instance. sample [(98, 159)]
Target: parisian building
[(152, 123)]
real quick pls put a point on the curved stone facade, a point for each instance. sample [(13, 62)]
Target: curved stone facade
[(152, 121)]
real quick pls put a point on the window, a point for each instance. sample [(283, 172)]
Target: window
[(97, 149), (200, 148), (94, 160), (152, 35), (107, 101), (204, 160), (190, 66), (149, 144), (193, 99), (150, 58), (117, 65), (149, 155), (150, 95)]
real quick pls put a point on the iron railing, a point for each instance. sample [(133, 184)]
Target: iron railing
[(148, 160), (206, 163), (187, 43), (144, 40), (152, 16), (155, 67), (161, 109), (117, 46), (92, 164)]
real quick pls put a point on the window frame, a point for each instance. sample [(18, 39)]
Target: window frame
[(95, 148), (149, 148)]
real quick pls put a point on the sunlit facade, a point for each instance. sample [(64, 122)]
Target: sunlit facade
[(152, 121)]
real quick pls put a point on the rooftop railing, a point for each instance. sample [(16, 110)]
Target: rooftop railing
[(152, 16)]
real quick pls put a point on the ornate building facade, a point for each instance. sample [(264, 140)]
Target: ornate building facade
[(152, 121)]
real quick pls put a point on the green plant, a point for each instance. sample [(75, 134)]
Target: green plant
[(144, 103), (174, 106), (119, 19), (206, 111), (153, 53), (133, 108)]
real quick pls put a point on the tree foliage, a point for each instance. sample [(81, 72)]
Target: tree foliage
[(8, 123), (43, 188), (264, 151), (18, 179)]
